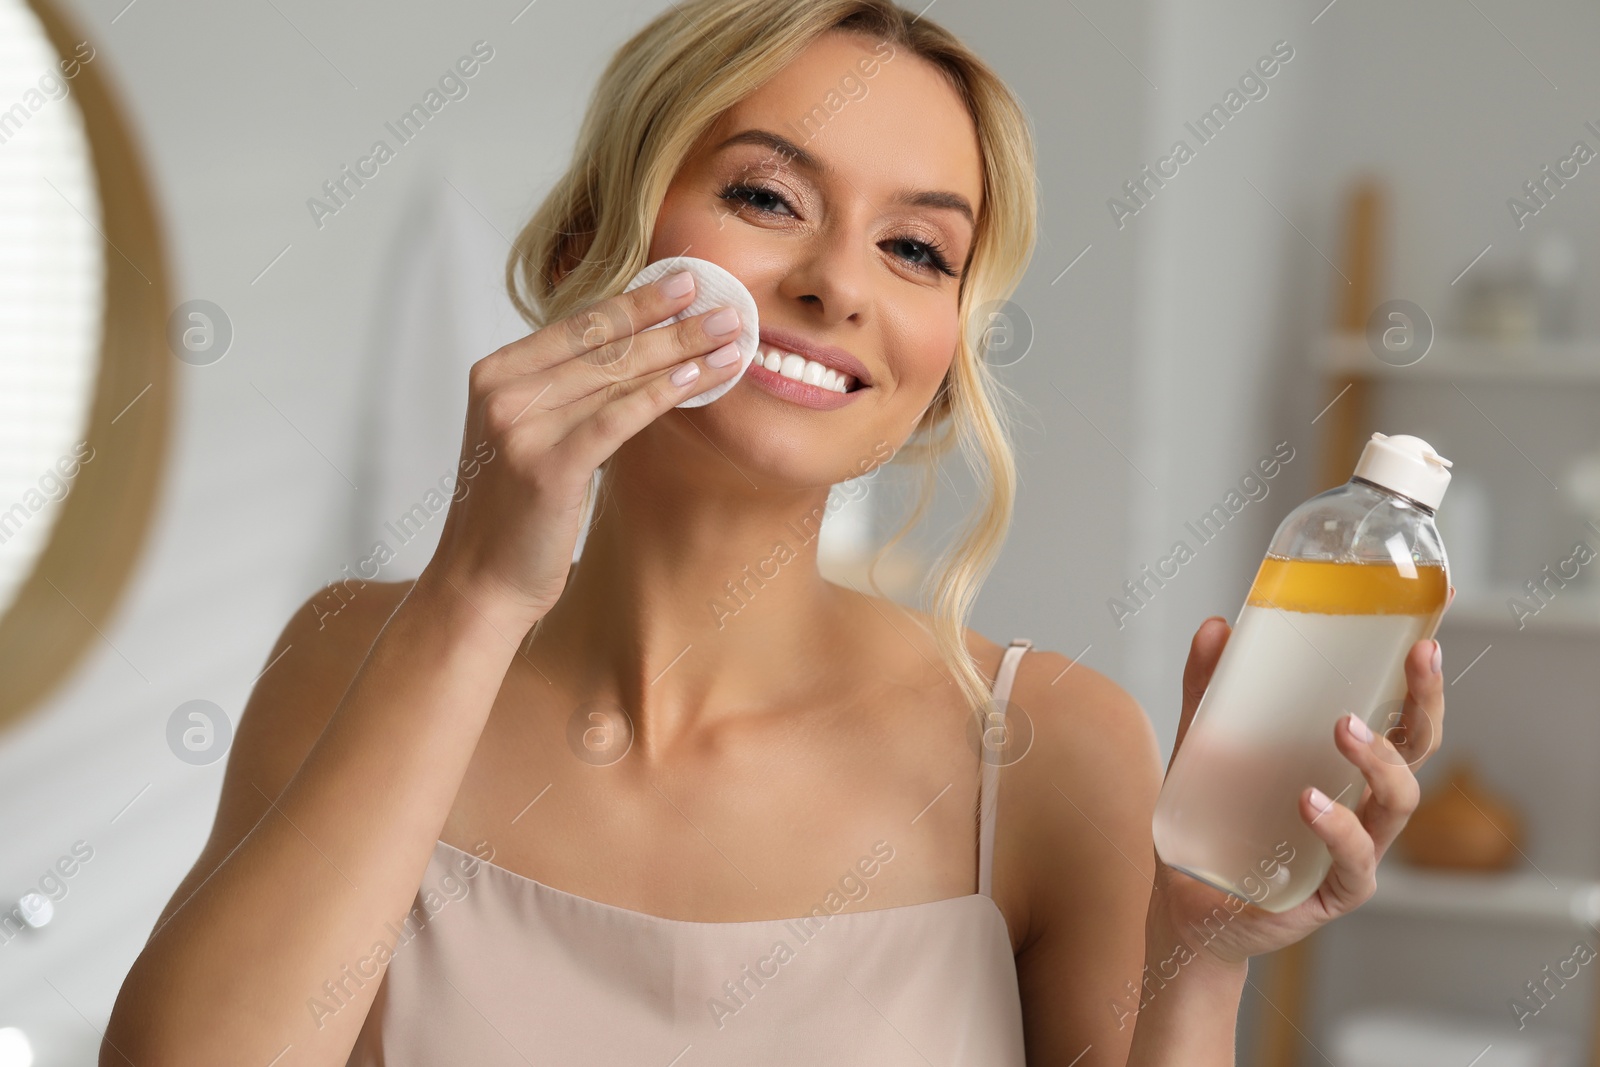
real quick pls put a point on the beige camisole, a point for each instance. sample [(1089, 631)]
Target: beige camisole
[(493, 968)]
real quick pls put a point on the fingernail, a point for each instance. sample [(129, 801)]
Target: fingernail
[(678, 284), (1438, 657), (728, 353), (1358, 728), (1319, 799), (685, 374), (723, 322)]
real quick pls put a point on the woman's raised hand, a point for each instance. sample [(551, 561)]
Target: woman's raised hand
[(542, 414)]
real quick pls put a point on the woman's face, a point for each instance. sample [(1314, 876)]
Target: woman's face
[(843, 194)]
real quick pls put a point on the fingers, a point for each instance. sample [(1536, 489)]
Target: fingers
[(1205, 649), (1419, 730), (562, 397), (1392, 791), (1386, 759), (613, 324), (595, 438), (620, 316), (601, 375), (1352, 878)]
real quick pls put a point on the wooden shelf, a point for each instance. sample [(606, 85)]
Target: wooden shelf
[(1456, 357), (1519, 896)]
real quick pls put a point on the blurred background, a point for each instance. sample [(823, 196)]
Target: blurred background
[(228, 371)]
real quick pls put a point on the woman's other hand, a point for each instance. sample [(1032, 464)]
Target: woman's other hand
[(1357, 836)]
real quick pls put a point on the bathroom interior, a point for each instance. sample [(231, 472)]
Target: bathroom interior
[(228, 374)]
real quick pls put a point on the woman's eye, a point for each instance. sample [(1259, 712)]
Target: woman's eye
[(933, 260), (914, 248), (920, 255), (760, 199)]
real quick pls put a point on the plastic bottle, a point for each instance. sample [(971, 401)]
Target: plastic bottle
[(1353, 578)]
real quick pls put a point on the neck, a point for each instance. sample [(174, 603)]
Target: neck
[(690, 605)]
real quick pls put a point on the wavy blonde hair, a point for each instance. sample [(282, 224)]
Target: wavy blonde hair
[(657, 97)]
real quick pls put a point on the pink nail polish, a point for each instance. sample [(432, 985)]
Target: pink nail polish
[(1319, 799), (685, 374), (1438, 657), (1359, 729), (728, 353), (725, 321)]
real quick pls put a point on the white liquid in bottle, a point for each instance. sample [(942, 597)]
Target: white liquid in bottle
[(1236, 785)]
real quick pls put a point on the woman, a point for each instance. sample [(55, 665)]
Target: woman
[(527, 811)]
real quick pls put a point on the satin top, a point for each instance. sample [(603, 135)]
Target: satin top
[(493, 968)]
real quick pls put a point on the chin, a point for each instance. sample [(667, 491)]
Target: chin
[(798, 449)]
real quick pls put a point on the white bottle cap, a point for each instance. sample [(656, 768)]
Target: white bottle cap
[(1406, 465)]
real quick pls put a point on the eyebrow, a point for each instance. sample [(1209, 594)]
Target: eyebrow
[(794, 153)]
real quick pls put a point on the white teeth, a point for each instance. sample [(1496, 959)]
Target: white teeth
[(805, 370)]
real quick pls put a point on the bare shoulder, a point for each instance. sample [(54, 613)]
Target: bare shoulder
[(1079, 714), (304, 678), (1075, 835), (1074, 857)]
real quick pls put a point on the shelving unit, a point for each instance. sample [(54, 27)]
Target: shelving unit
[(1352, 371), (1526, 897), (1467, 358), (1348, 361)]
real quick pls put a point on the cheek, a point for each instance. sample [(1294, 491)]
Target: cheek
[(691, 225), (927, 332)]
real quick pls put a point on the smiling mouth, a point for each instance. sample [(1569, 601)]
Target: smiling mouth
[(800, 369)]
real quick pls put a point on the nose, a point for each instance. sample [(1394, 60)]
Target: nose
[(830, 271)]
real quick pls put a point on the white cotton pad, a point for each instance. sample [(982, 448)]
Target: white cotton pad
[(713, 288)]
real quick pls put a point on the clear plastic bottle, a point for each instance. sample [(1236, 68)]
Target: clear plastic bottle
[(1353, 578)]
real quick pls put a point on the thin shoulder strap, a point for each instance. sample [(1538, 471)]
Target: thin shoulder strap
[(992, 734)]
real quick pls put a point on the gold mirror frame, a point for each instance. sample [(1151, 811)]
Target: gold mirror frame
[(67, 601)]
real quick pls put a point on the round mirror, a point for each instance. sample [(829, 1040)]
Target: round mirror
[(84, 388)]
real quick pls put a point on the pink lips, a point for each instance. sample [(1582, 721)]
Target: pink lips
[(812, 396), (803, 393), (827, 355)]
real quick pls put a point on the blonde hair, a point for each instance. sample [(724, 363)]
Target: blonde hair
[(657, 97)]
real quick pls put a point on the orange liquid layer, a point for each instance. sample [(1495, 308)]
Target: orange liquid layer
[(1335, 588)]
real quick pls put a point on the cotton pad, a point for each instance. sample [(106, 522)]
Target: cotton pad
[(714, 287)]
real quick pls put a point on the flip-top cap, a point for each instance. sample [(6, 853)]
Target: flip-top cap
[(1406, 465)]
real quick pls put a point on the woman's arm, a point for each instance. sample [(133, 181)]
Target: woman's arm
[(1106, 981), (299, 880), (1190, 1010), (1074, 815), (295, 891)]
